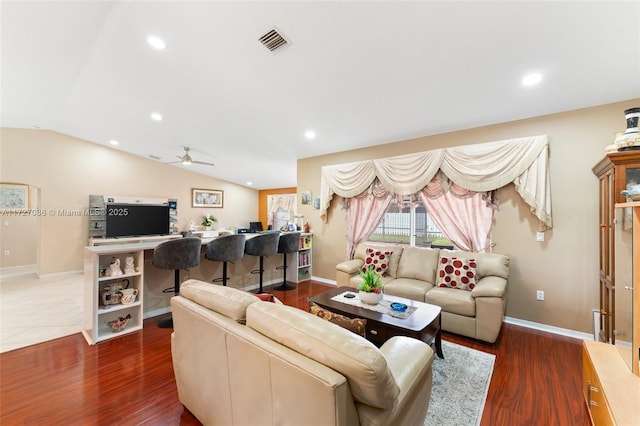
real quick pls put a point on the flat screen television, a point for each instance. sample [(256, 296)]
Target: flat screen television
[(134, 220)]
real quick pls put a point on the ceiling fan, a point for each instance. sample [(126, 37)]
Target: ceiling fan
[(187, 160)]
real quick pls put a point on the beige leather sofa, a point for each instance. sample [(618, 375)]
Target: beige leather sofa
[(241, 361), (411, 274)]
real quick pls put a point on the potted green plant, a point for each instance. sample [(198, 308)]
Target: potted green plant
[(208, 221), (370, 289)]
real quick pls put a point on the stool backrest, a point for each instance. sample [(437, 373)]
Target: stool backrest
[(263, 244), (289, 242), (181, 253), (226, 248)]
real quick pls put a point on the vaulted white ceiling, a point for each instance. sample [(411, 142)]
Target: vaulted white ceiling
[(357, 73)]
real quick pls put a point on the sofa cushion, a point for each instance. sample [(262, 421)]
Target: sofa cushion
[(364, 366), (378, 260), (227, 301), (452, 300), (457, 273), (418, 263), (392, 270), (408, 288), (355, 325), (488, 264)]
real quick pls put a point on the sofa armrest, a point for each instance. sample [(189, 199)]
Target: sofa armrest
[(491, 286), (407, 359), (346, 270), (351, 267)]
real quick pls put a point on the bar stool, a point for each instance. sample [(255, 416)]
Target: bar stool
[(288, 243), (183, 253), (262, 245), (225, 249)]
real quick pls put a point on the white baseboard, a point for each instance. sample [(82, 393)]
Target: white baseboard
[(324, 280), (18, 271), (156, 312), (548, 328), (61, 274)]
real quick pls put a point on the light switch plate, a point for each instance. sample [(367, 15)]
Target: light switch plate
[(540, 236)]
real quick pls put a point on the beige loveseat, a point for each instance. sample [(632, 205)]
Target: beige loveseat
[(412, 273), (288, 367)]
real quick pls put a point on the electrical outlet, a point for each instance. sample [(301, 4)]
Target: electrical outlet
[(540, 295), (540, 236)]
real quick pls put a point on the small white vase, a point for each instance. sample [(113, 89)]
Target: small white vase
[(370, 298)]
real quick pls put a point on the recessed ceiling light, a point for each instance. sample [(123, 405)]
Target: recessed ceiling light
[(249, 183), (157, 117), (156, 42), (310, 134), (532, 79), (114, 142)]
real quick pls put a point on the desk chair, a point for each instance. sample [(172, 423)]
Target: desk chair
[(183, 253), (225, 249), (262, 245), (288, 243)]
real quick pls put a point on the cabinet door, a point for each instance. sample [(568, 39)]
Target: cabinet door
[(624, 284), (606, 217)]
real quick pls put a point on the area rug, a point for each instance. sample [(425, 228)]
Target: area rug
[(460, 385)]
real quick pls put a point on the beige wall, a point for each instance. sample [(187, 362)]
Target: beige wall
[(67, 170), (565, 265)]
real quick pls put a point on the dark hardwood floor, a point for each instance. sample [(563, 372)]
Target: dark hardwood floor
[(129, 380)]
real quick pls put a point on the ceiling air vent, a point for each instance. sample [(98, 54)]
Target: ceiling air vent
[(274, 40)]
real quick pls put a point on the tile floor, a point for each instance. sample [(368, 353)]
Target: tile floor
[(34, 310)]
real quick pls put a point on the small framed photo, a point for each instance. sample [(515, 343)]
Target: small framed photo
[(206, 198), (316, 203), (14, 196), (306, 197)]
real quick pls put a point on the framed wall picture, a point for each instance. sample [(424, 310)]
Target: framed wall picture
[(206, 197), (14, 196), (306, 197)]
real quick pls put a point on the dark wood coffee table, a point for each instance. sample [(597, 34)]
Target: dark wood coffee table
[(423, 324)]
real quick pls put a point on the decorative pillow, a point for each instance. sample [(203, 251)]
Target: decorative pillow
[(456, 272), (378, 260), (356, 325), (265, 297)]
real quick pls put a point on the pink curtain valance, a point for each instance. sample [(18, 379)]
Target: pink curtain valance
[(480, 167)]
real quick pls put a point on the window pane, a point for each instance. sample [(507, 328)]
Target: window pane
[(395, 226), (426, 229), (401, 221)]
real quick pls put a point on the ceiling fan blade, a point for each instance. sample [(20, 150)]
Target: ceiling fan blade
[(174, 162), (203, 163)]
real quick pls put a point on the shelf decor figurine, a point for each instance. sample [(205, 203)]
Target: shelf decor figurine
[(117, 325), (114, 269), (129, 267)]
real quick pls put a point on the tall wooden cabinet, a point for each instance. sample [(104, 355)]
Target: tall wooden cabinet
[(611, 373), (614, 172)]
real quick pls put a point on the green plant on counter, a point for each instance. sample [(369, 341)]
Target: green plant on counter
[(208, 220), (371, 281)]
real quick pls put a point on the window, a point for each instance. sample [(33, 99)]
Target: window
[(407, 222)]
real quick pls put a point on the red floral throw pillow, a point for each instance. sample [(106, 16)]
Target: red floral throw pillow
[(378, 260), (457, 273)]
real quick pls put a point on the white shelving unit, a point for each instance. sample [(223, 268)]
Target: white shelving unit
[(96, 314), (301, 262)]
